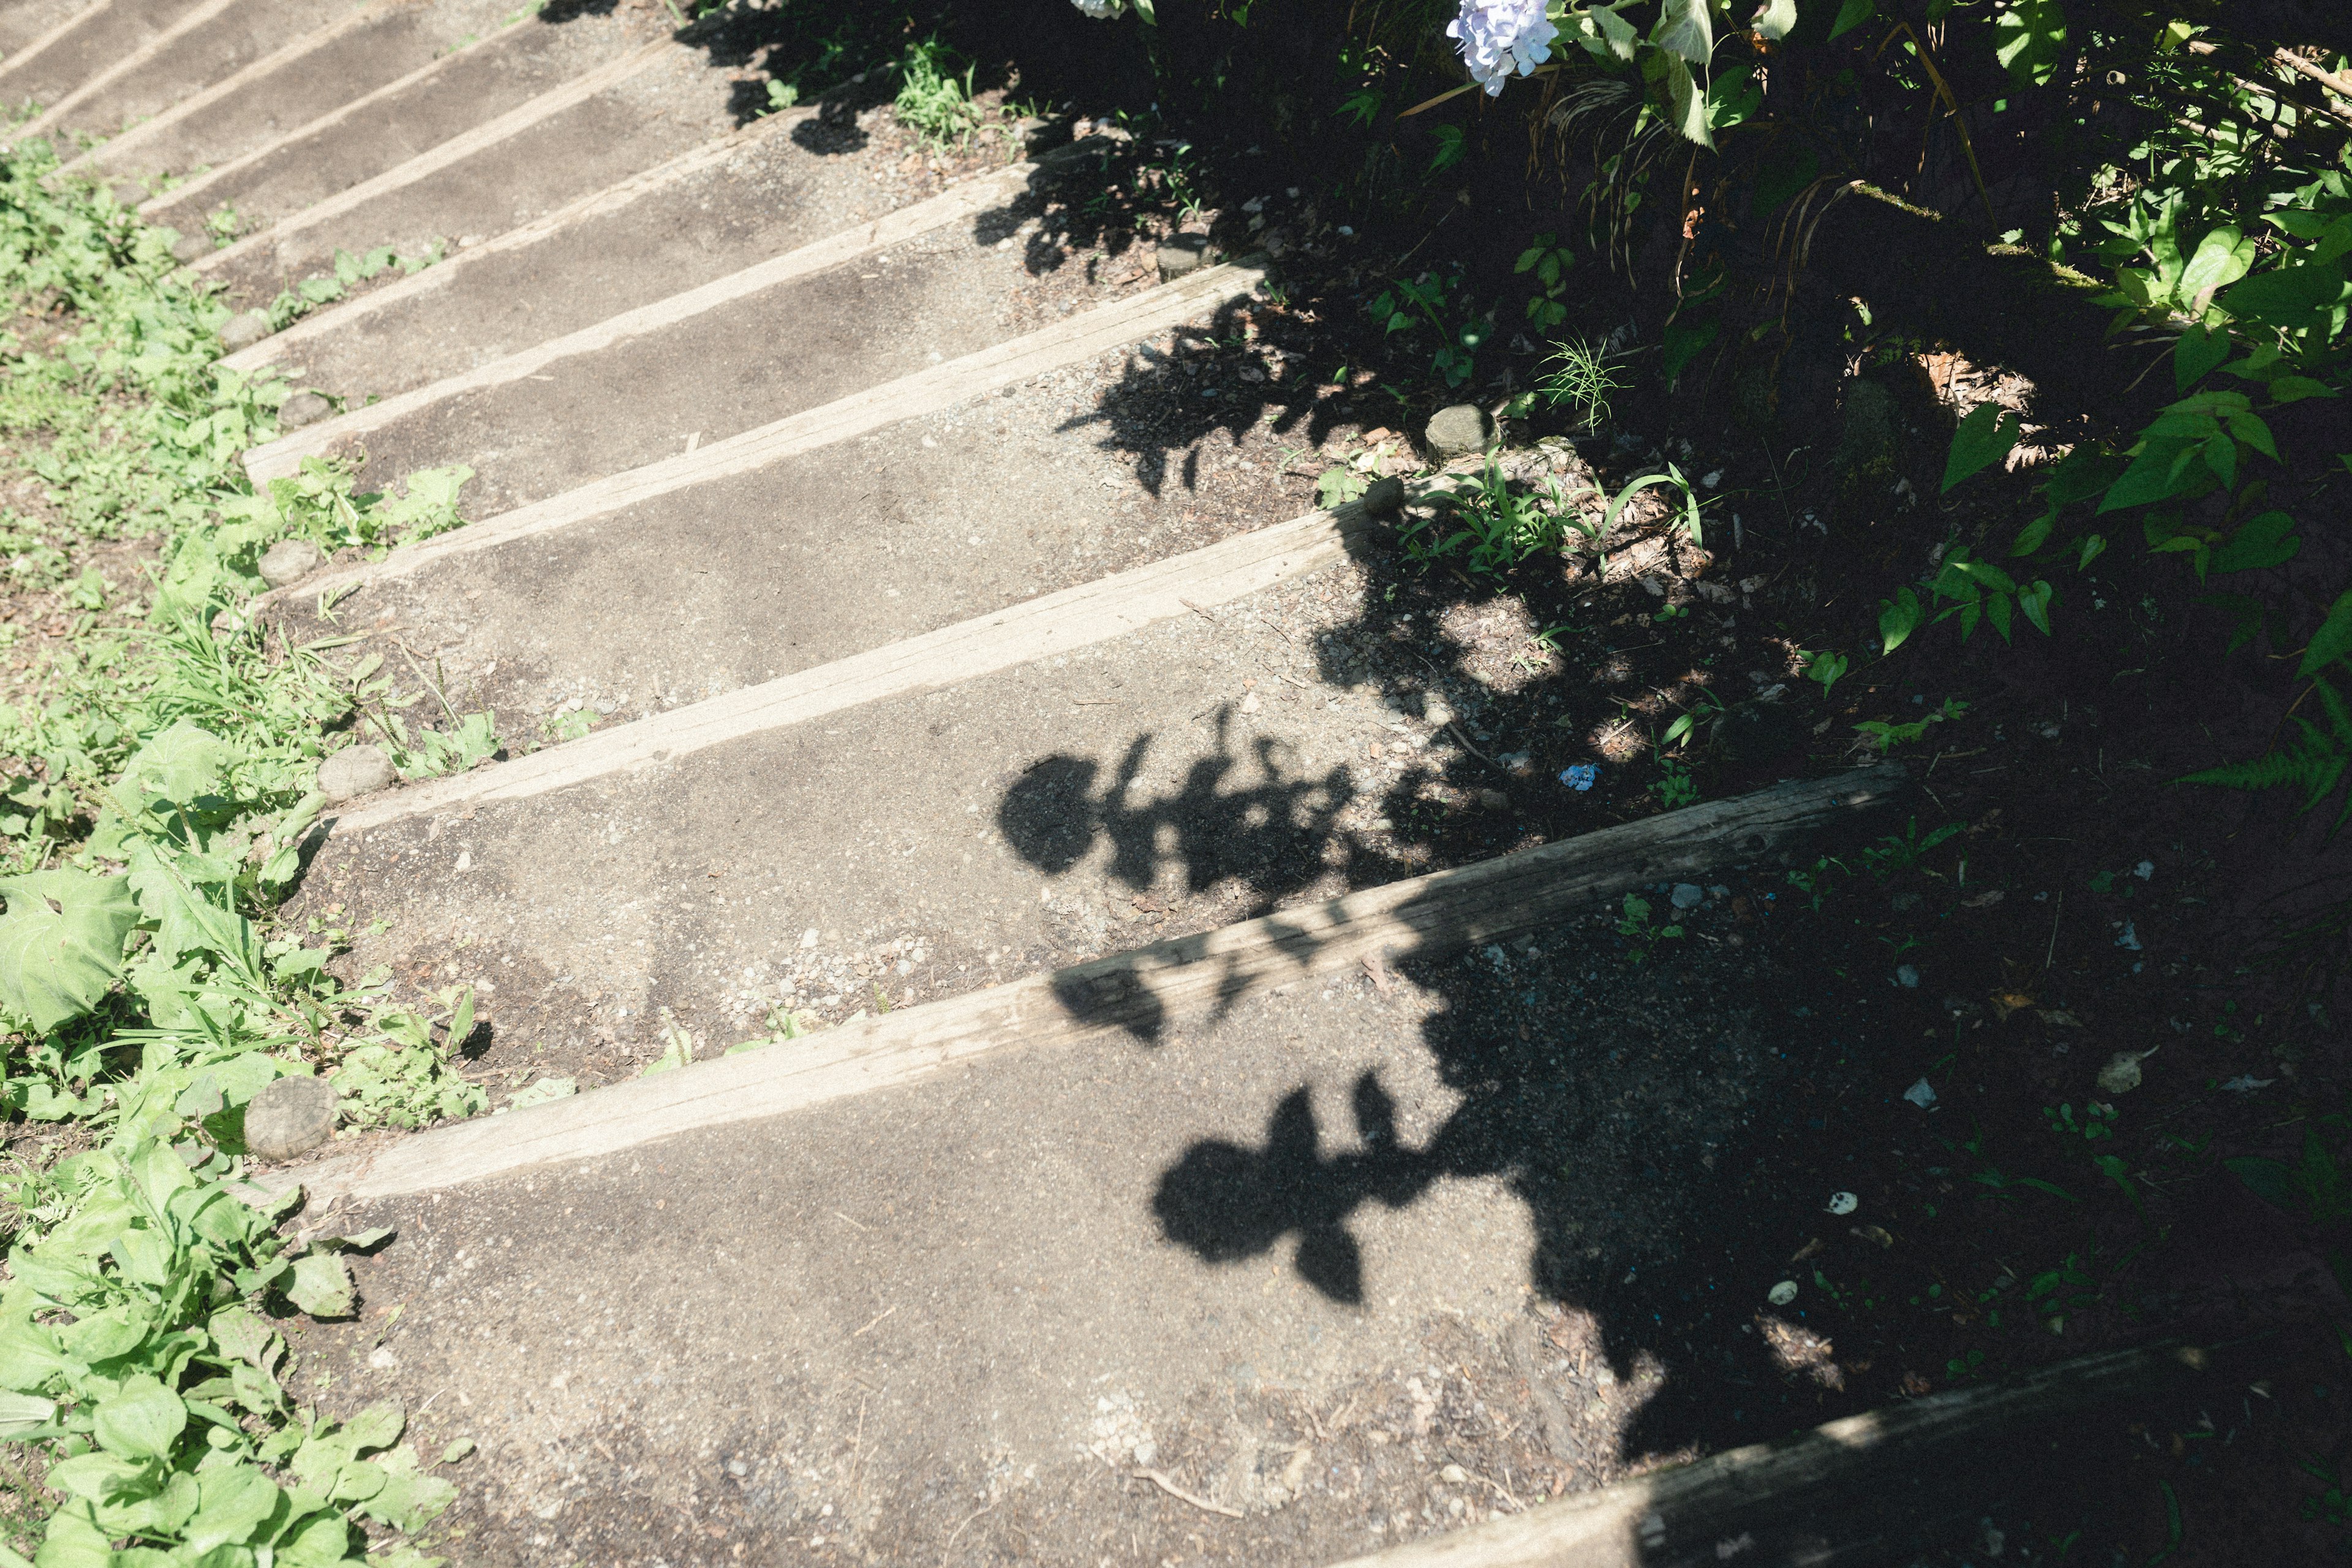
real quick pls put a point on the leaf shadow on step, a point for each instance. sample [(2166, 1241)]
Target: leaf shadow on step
[(1248, 366)]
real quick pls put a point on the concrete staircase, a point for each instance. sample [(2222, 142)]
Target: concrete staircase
[(927, 705)]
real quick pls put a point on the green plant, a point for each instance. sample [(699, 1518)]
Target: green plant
[(1436, 301), (1676, 787), (1578, 375), (2098, 1122), (1890, 735), (1672, 476), (1894, 854), (1486, 522), (324, 288), (1635, 924), (1550, 261), (933, 101)]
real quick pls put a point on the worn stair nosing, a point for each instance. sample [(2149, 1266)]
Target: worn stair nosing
[(197, 17), (442, 274), (285, 454), (157, 205), (456, 150), (40, 46), (267, 65), (1020, 634), (1144, 990), (1071, 340)]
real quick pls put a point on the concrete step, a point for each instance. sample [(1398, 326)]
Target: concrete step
[(1275, 1273), (208, 44), (364, 135), (960, 504), (80, 46), (300, 78), (727, 205), (832, 320), (629, 115), (26, 23)]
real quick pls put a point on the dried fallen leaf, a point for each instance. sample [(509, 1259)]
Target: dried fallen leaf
[(1378, 973), (1874, 1234), (2004, 1003), (1984, 901), (1810, 1247), (2059, 1018)]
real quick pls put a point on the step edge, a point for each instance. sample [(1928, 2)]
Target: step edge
[(466, 145), (284, 456), (959, 380), (210, 10), (1425, 916), (1073, 618), (156, 206), (443, 273), (236, 81), (41, 45)]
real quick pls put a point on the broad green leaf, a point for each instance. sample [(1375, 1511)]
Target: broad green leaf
[(457, 1450), (61, 943), (183, 764), (1777, 20), (1897, 618), (1686, 105), (1852, 15), (143, 1422), (2268, 539), (2195, 353), (408, 1499), (322, 1286), (2030, 39), (234, 1501), (323, 1541), (1983, 438), (2287, 297), (1685, 30), (2295, 388), (20, 1413), (2331, 642), (2221, 259)]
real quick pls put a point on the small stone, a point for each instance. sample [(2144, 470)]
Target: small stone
[(290, 561), (243, 332), (1458, 430), (1384, 497), (1250, 703), (2122, 1073), (381, 1359), (302, 408), (1494, 800), (1906, 976), (189, 247), (356, 771), (290, 1116), (1688, 895), (1181, 254), (1453, 1475), (1783, 1293)]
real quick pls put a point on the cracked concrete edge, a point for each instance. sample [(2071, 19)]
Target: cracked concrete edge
[(235, 82), (456, 150), (40, 46), (1070, 341), (136, 59), (284, 456), (1052, 623), (450, 270), (1839, 1485), (1134, 994), (151, 208)]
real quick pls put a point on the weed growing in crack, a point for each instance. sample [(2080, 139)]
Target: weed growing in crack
[(933, 101)]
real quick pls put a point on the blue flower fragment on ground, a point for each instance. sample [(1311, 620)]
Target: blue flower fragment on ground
[(1580, 777)]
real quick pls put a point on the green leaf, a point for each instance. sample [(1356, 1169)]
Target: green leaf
[(234, 1501), (1777, 20), (2195, 353), (322, 1286), (2221, 258), (2030, 39), (1852, 15), (1686, 104), (1897, 618), (20, 1413), (61, 943), (143, 1421), (2295, 388), (2331, 642), (2268, 539), (184, 764), (1685, 31), (1983, 438), (457, 1450)]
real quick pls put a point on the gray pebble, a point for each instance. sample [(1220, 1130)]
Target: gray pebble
[(356, 771), (290, 561), (1384, 497), (1181, 254), (290, 1116), (1688, 895), (242, 331), (189, 247), (302, 408), (1458, 430)]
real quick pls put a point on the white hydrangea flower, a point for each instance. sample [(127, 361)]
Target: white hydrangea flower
[(1501, 38), (1100, 10)]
